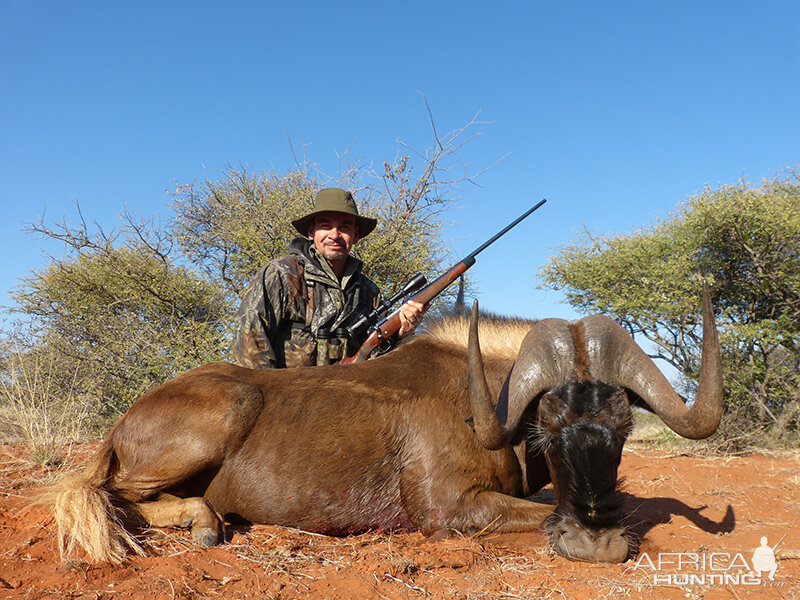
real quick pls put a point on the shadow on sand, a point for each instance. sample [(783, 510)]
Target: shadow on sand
[(645, 513)]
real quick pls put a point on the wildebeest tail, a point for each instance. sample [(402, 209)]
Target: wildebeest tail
[(85, 515)]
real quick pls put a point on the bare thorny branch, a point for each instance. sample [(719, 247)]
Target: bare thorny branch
[(77, 238)]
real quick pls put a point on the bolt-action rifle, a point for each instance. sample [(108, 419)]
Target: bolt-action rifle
[(389, 325)]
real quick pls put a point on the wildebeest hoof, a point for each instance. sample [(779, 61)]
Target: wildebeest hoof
[(205, 537)]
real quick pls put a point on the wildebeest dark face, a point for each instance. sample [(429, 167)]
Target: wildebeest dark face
[(581, 429)]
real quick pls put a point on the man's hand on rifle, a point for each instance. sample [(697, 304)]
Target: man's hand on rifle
[(410, 315)]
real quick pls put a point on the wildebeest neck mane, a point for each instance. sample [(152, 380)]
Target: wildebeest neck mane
[(500, 336)]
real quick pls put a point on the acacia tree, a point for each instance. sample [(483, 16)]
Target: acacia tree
[(745, 240), (121, 312)]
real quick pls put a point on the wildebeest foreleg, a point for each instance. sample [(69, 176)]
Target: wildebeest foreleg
[(490, 510), (171, 511)]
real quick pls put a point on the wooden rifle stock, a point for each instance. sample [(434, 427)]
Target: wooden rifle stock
[(391, 324)]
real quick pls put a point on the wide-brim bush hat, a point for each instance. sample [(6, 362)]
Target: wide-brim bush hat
[(335, 200)]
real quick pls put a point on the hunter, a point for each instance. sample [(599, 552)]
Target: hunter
[(294, 312)]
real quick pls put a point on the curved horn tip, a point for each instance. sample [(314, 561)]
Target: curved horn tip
[(473, 319), (702, 419)]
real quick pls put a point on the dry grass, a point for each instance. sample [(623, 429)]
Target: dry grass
[(36, 411)]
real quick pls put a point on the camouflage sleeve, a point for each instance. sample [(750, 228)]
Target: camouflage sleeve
[(258, 319)]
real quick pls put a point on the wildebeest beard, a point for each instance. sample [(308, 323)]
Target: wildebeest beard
[(590, 456)]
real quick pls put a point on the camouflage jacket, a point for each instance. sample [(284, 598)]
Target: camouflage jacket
[(290, 300)]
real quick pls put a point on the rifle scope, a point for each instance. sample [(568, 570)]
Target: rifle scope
[(414, 284)]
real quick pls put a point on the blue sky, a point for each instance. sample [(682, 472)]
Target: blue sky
[(613, 111)]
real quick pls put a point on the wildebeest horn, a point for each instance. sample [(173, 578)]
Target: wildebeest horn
[(547, 359), (616, 358), (544, 361), (487, 428)]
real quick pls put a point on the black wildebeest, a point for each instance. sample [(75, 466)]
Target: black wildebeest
[(408, 440)]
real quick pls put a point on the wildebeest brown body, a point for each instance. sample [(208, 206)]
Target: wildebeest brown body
[(378, 445), (375, 463), (406, 440)]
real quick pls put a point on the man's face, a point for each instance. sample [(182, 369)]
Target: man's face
[(334, 234)]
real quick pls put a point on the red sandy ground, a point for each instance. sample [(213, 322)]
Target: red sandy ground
[(678, 503)]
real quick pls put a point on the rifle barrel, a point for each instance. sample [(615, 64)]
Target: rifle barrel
[(485, 245), (391, 324)]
